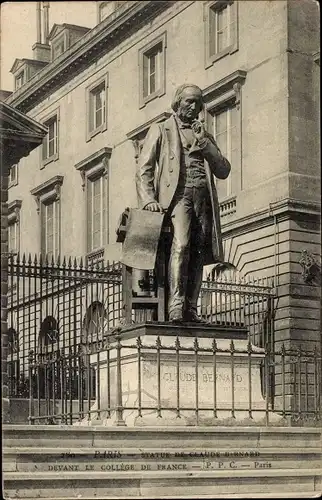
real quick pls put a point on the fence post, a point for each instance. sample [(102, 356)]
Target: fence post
[(31, 391), (119, 404)]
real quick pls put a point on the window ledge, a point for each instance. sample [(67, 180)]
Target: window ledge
[(49, 160), (151, 97), (12, 184), (98, 130), (226, 52)]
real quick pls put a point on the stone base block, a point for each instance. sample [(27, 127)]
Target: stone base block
[(181, 386)]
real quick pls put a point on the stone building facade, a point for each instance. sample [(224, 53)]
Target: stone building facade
[(258, 65)]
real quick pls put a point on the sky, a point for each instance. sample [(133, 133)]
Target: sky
[(18, 29)]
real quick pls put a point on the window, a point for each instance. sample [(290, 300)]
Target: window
[(221, 29), (13, 362), (97, 108), (94, 172), (20, 80), (96, 213), (225, 133), (224, 118), (48, 334), (152, 70), (14, 226), (95, 323), (48, 377), (49, 213), (50, 142), (13, 176), (12, 341), (60, 42), (13, 238), (58, 48), (47, 197)]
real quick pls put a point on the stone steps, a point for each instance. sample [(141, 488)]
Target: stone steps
[(159, 484), (65, 462), (295, 494), (76, 460), (249, 438)]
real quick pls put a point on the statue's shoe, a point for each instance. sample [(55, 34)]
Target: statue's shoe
[(192, 317)]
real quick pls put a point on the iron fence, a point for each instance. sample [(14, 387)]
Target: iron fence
[(55, 306), (240, 302), (58, 307), (129, 379)]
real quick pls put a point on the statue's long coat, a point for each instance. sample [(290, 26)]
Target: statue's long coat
[(158, 174)]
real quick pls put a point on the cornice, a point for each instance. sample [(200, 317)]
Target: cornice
[(138, 131), (13, 134), (95, 164), (49, 190), (15, 126), (279, 211), (93, 159), (19, 63), (125, 21), (227, 83), (14, 211), (58, 28), (47, 186)]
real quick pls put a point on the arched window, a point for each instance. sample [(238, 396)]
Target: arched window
[(220, 300), (48, 335), (13, 362), (95, 322), (47, 376), (12, 341), (223, 271)]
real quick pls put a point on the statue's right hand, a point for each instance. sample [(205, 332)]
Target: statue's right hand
[(153, 206)]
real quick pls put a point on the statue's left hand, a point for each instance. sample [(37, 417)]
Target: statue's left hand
[(198, 130)]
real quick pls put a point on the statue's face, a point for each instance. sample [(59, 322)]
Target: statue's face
[(190, 105)]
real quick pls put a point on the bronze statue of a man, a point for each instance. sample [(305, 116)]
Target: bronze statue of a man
[(175, 175)]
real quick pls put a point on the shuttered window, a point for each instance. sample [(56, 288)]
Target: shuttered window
[(152, 70), (50, 142), (50, 229), (225, 133), (223, 27), (13, 237), (96, 212), (97, 107), (152, 64), (96, 96)]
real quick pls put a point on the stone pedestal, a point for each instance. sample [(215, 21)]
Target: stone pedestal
[(186, 383)]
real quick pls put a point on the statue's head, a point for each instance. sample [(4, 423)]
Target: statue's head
[(187, 102)]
